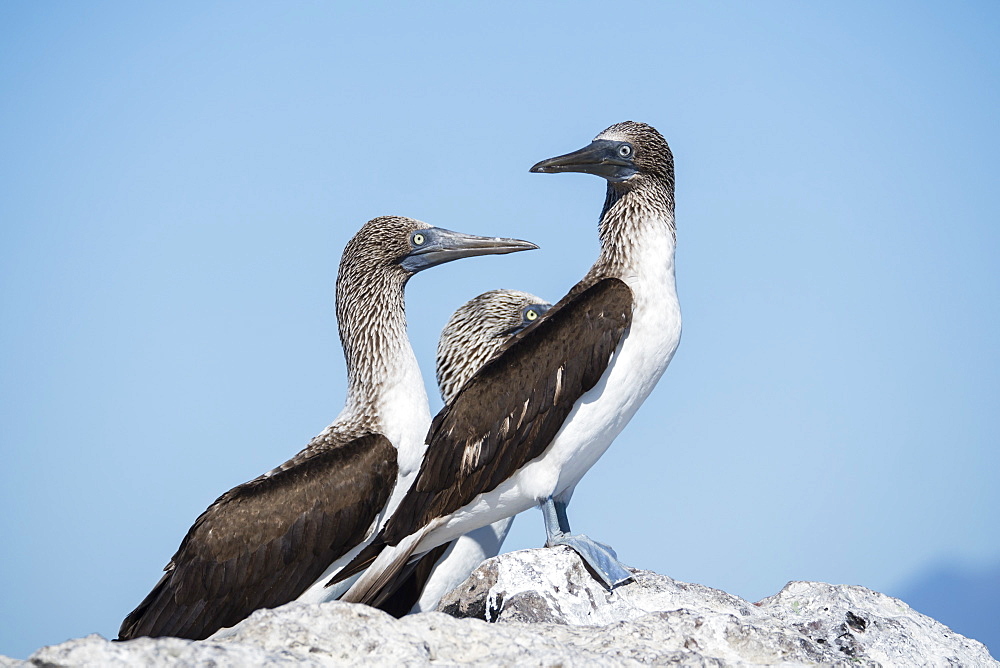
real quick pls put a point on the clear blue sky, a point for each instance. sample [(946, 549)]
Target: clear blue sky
[(178, 181)]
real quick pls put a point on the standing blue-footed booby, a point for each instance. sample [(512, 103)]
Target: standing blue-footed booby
[(265, 542), (472, 335), (527, 427)]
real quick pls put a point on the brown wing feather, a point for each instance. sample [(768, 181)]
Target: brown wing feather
[(263, 543), (406, 595), (513, 407)]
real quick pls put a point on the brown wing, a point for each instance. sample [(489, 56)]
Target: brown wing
[(263, 543), (512, 408)]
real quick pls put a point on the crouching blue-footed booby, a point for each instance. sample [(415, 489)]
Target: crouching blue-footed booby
[(265, 542), (472, 335), (527, 427)]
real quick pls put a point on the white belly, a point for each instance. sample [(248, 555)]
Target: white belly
[(599, 416)]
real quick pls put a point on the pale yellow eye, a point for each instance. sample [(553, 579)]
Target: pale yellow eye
[(531, 314), (418, 239)]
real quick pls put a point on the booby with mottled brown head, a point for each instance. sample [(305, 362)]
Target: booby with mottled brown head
[(527, 427), (267, 541), (472, 335)]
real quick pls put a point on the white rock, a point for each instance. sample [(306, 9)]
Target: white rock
[(806, 622), (547, 610), (553, 585)]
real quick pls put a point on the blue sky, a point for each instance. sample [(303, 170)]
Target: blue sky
[(178, 183)]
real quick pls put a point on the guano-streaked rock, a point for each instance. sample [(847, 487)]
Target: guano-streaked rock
[(545, 610)]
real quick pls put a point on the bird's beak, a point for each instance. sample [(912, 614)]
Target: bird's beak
[(600, 158), (441, 245)]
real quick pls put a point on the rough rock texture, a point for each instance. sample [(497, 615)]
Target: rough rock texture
[(547, 610), (806, 622)]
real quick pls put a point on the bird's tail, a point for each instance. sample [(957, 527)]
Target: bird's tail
[(360, 562), (384, 575)]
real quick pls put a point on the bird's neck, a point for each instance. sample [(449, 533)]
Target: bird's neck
[(385, 388), (637, 229)]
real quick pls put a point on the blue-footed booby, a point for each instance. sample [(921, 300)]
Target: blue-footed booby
[(472, 335), (527, 427), (265, 542)]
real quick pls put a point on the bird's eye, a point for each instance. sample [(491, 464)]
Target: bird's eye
[(624, 150), (418, 239), (531, 314)]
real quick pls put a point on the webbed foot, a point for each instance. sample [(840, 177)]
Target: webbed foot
[(600, 557), (602, 560)]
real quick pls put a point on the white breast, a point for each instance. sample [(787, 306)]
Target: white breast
[(600, 415), (404, 412), (642, 357)]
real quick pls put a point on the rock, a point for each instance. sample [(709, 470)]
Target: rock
[(806, 622), (553, 585), (296, 634), (542, 608)]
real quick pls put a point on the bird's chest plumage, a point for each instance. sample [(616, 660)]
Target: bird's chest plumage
[(640, 359), (405, 417), (601, 413)]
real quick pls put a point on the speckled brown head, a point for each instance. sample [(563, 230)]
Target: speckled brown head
[(639, 167), (477, 330), (377, 263), (624, 153), (403, 246)]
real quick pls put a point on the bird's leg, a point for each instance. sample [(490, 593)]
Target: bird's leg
[(553, 527), (600, 557)]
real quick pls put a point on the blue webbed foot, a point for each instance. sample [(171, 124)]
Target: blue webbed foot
[(601, 559)]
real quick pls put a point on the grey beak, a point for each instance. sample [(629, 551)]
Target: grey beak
[(441, 245), (600, 158)]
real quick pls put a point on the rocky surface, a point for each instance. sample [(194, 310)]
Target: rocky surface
[(541, 608)]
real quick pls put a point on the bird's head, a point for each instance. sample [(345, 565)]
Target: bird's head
[(478, 329), (405, 246), (623, 153)]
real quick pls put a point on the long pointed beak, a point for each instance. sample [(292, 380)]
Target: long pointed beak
[(600, 157), (441, 245)]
